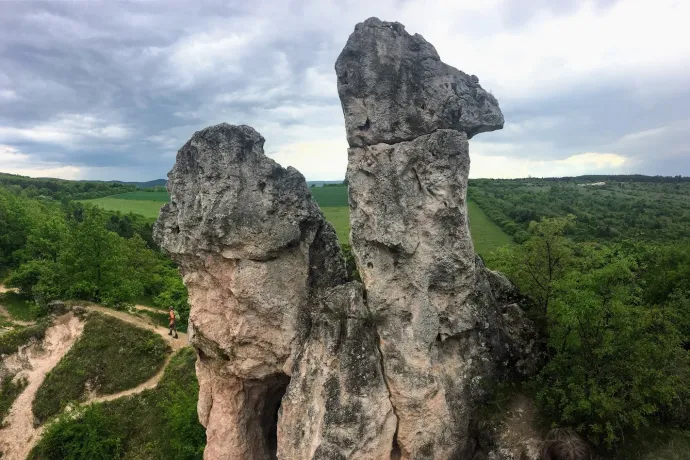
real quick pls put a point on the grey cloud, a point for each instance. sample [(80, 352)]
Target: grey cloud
[(157, 71)]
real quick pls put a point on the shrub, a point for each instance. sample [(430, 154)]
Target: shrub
[(10, 388)]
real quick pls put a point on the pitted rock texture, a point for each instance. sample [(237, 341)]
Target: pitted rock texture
[(394, 87), (443, 330), (337, 396), (269, 298)]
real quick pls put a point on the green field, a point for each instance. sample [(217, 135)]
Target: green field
[(146, 208), (486, 235)]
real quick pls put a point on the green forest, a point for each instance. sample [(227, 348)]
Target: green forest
[(603, 263), (70, 250)]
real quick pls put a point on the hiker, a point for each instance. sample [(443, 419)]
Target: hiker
[(173, 321)]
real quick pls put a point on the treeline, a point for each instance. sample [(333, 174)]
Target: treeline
[(61, 190), (649, 210), (68, 250), (616, 323)]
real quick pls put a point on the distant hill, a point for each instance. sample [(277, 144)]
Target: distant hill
[(149, 184), (321, 183)]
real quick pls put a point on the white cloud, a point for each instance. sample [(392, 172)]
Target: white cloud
[(148, 75), (316, 160), (629, 40), (574, 165), (67, 130), (15, 162)]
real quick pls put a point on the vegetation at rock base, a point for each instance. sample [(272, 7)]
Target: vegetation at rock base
[(615, 314), (110, 356), (158, 423), (607, 268), (10, 388), (12, 340)]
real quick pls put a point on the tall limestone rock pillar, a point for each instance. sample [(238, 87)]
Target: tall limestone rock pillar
[(254, 251), (288, 363), (408, 118)]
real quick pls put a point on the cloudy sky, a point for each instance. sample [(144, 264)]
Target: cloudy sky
[(112, 90)]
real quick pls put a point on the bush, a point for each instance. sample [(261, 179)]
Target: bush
[(11, 341), (9, 390)]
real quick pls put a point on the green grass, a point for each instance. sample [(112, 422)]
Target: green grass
[(110, 356), (146, 208), (9, 390), (340, 219), (158, 423), (11, 341), (18, 307), (161, 197), (486, 235), (330, 197), (652, 443)]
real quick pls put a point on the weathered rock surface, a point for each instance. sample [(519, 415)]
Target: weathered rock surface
[(443, 334), (394, 87), (264, 272), (295, 361), (338, 398)]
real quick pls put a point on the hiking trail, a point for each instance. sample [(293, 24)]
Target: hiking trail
[(18, 435)]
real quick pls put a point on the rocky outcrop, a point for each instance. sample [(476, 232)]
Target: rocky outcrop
[(270, 302), (297, 362), (442, 333)]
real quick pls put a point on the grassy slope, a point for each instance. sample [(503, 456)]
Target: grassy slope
[(158, 423), (9, 390), (146, 208), (111, 356), (11, 341), (333, 202), (18, 307), (486, 235)]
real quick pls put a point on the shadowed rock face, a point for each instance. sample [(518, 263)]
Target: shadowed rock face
[(408, 118)]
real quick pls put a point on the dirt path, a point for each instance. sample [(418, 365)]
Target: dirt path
[(175, 344), (18, 436), (3, 289), (153, 309)]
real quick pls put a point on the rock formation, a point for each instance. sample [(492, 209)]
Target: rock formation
[(297, 362), (270, 301), (408, 118)]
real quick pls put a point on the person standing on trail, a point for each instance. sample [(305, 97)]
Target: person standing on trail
[(173, 321)]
